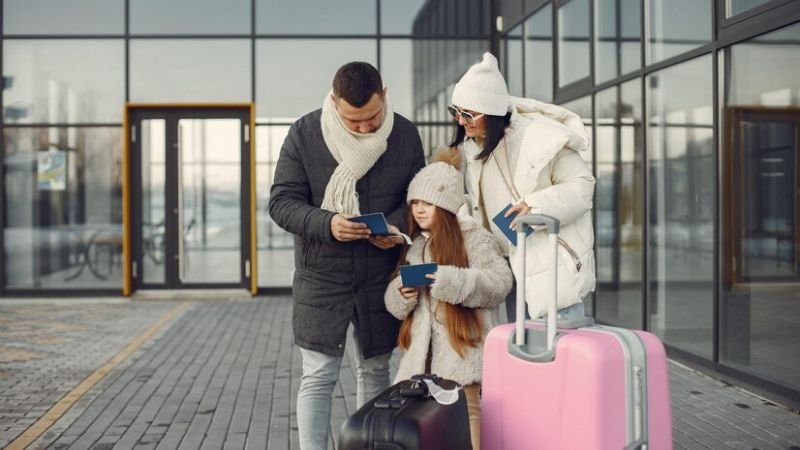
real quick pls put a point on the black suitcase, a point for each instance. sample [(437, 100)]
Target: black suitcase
[(406, 417)]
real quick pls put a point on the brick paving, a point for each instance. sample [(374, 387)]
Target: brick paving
[(224, 375)]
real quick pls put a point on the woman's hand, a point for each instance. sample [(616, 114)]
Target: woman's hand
[(522, 208)]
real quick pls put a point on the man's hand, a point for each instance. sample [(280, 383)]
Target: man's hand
[(386, 242), (344, 230), (522, 208)]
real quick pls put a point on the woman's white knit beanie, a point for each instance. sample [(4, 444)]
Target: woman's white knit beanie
[(440, 184), (483, 89)]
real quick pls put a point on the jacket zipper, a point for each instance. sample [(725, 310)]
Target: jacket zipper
[(575, 258)]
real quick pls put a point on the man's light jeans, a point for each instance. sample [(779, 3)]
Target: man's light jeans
[(320, 374)]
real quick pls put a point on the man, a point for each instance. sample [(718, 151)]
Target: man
[(353, 156)]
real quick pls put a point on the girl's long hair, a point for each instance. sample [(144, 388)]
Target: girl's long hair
[(495, 130), (464, 325)]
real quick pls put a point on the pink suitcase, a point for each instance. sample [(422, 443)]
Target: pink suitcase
[(583, 386)]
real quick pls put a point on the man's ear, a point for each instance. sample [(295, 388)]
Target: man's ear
[(385, 90), (333, 98)]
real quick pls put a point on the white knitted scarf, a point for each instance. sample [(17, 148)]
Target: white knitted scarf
[(356, 153)]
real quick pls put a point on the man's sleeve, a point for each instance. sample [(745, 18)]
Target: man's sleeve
[(398, 216), (290, 196)]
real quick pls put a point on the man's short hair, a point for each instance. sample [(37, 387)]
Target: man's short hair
[(356, 81)]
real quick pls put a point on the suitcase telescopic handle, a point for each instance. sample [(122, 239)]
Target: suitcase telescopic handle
[(553, 227)]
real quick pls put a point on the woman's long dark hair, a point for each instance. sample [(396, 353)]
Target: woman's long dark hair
[(495, 130)]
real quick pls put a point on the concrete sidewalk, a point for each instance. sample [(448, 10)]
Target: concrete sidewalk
[(224, 374)]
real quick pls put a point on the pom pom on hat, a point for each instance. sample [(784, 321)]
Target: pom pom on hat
[(439, 183), (483, 89)]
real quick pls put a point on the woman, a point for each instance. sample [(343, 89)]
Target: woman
[(525, 153)]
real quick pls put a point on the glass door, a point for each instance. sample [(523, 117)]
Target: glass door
[(191, 214)]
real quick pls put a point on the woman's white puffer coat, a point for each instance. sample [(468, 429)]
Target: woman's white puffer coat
[(552, 179)]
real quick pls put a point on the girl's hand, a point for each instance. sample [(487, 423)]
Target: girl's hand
[(408, 293), (522, 208), (431, 276)]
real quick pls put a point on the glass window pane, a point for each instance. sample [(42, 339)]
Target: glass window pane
[(63, 208), (294, 17), (617, 45), (677, 26), (196, 70), (275, 245), (573, 42), (74, 81), (681, 191), (438, 64), (398, 17), (759, 312), (289, 87), (619, 205), (63, 17), (539, 55), (512, 61), (397, 71), (734, 7), (190, 17)]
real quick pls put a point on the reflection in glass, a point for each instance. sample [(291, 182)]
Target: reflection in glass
[(209, 199), (153, 231), (63, 17), (67, 81), (190, 17), (619, 205), (63, 208), (573, 42), (398, 17), (734, 7), (275, 246), (397, 71), (438, 64), (295, 17), (539, 55), (175, 70), (681, 196), (677, 26), (289, 87), (618, 38), (760, 269), (512, 56)]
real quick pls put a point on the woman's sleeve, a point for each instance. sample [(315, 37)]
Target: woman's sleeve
[(572, 190), (485, 284), (396, 304)]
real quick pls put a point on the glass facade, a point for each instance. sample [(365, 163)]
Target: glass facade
[(759, 307), (696, 158), (70, 66)]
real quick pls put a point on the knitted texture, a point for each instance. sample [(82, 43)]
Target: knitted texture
[(356, 153), (483, 89), (440, 184)]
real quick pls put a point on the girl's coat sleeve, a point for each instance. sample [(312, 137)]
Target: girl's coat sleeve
[(484, 284)]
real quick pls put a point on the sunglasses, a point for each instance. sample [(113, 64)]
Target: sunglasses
[(469, 118)]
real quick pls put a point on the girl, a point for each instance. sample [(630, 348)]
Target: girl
[(444, 324)]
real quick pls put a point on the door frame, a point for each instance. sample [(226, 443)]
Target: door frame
[(128, 199), (733, 191)]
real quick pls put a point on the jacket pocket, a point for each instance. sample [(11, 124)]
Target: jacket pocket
[(569, 257)]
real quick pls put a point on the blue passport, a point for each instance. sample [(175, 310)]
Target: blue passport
[(376, 222), (414, 275), (503, 224)]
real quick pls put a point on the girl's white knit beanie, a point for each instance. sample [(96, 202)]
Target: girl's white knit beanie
[(439, 183), (483, 89)]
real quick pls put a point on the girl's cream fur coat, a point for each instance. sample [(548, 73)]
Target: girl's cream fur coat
[(483, 285)]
